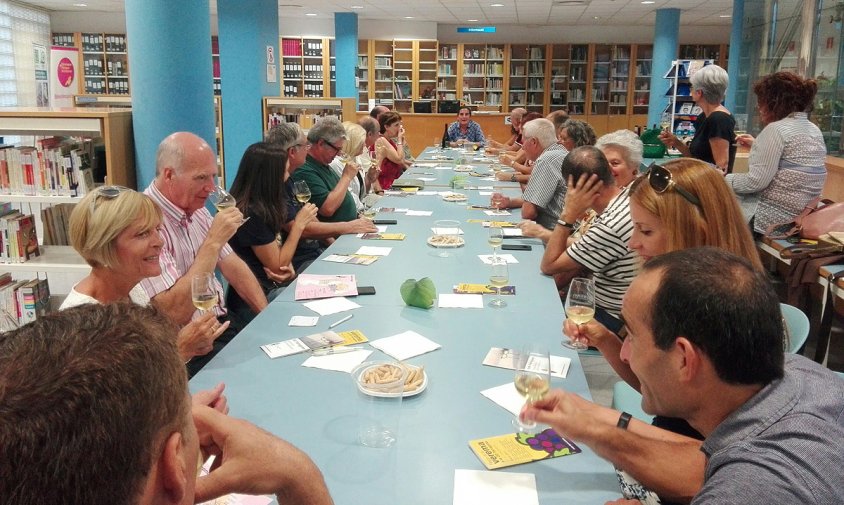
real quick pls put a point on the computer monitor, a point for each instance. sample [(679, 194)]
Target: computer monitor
[(449, 106), (423, 107)]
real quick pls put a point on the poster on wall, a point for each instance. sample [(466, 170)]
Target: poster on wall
[(63, 75), (42, 90)]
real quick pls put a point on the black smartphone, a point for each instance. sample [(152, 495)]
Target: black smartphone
[(366, 290), (384, 221), (514, 247)]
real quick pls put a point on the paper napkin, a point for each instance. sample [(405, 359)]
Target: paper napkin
[(343, 362), (330, 306), (405, 345), (460, 301), (474, 487)]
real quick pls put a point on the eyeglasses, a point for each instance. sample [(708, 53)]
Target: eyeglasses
[(107, 192), (336, 149), (661, 180)]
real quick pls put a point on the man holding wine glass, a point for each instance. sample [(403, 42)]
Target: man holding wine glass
[(194, 242)]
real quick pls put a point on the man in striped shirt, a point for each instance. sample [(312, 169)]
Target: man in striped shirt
[(603, 249), (194, 242)]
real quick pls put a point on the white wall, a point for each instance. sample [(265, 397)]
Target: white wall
[(542, 34)]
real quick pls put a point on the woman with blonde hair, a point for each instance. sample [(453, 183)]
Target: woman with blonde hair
[(353, 147), (115, 229)]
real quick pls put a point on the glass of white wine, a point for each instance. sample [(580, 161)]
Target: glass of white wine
[(302, 192), (203, 291), (222, 200), (499, 278), (495, 238), (580, 307), (533, 378), (369, 210)]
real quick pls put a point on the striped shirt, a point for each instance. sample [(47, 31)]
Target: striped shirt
[(546, 188), (787, 170), (604, 250), (182, 235), (473, 133)]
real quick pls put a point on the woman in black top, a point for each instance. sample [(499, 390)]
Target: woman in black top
[(715, 138)]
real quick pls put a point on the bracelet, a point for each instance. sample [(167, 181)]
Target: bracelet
[(564, 224), (513, 178), (623, 420)]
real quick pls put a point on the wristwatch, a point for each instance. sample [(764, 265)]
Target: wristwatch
[(513, 178), (624, 420), (564, 224)]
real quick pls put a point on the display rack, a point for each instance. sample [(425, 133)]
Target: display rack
[(105, 63), (681, 112), (306, 67)]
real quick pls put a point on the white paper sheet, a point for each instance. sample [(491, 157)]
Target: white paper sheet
[(419, 213), (405, 345), (343, 362), (487, 258), (426, 193), (497, 213), (506, 396), (303, 321), (330, 306), (381, 229), (512, 232), (426, 179), (443, 167), (485, 187), (460, 301), (478, 487), (368, 250)]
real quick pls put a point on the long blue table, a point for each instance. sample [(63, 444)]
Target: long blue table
[(315, 409)]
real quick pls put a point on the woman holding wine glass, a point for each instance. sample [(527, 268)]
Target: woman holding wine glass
[(115, 229), (390, 153), (353, 150), (259, 190)]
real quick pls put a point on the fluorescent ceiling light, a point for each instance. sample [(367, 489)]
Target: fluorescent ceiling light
[(311, 14), (648, 2), (408, 17), (80, 5), (725, 16), (357, 7), (472, 20), (496, 5)]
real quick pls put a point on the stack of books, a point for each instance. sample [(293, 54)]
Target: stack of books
[(56, 166), (18, 240), (22, 302)]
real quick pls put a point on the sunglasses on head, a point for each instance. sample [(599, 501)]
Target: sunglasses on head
[(107, 192), (661, 181)]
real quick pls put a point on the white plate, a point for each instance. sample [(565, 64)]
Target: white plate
[(435, 242), (455, 197), (464, 168), (369, 392)]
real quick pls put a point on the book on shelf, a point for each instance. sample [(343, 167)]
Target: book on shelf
[(18, 240), (22, 301), (55, 219), (55, 166)]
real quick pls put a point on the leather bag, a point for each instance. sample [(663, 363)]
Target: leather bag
[(819, 217)]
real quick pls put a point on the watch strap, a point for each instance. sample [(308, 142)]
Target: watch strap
[(624, 420)]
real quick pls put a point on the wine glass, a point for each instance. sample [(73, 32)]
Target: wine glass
[(496, 237), (532, 379), (302, 191), (344, 157), (369, 209), (222, 199), (203, 291), (580, 307), (498, 279)]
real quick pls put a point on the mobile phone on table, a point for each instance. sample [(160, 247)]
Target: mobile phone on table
[(516, 247), (366, 290), (384, 221)]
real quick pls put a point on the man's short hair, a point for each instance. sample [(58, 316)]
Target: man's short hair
[(722, 305), (329, 129), (542, 130), (285, 135), (87, 398), (558, 117), (378, 110), (370, 124), (587, 160)]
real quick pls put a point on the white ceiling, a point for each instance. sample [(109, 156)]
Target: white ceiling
[(513, 12)]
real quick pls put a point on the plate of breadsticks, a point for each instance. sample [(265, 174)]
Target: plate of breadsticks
[(371, 380)]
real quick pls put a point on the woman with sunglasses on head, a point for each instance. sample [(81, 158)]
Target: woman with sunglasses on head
[(389, 155), (115, 230), (353, 147), (715, 137), (787, 164), (259, 190)]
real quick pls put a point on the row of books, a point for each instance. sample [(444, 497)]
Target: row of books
[(56, 219), (18, 240), (22, 302), (56, 166)]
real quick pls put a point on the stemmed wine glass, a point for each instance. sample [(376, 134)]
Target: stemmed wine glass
[(496, 237), (499, 278), (302, 191), (222, 199), (533, 378), (203, 291), (580, 307)]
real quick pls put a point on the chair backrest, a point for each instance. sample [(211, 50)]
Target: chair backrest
[(797, 327)]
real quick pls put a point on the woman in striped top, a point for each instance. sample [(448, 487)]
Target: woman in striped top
[(788, 158)]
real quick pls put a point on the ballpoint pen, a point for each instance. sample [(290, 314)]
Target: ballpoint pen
[(332, 325), (327, 351)]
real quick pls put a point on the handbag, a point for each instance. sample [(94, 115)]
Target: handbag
[(818, 217)]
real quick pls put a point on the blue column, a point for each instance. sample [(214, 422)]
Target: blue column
[(245, 31), (170, 75), (666, 38), (346, 53), (734, 54)]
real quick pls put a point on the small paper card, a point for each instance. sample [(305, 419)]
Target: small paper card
[(331, 305), (449, 300), (497, 213), (482, 289), (303, 321), (512, 232), (425, 165), (381, 229), (426, 193), (315, 341), (427, 179), (374, 251), (518, 448), (409, 190), (405, 345), (310, 286), (508, 258), (419, 212), (485, 187), (473, 487), (503, 358), (383, 236), (351, 259), (502, 224), (443, 167)]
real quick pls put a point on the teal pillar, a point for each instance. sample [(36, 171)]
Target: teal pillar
[(734, 56), (346, 53), (246, 30), (171, 76), (666, 39)]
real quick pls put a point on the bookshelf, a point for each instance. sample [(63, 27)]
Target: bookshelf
[(619, 79), (364, 72), (305, 111), (382, 59), (426, 71), (447, 72), (600, 84), (215, 64), (559, 84), (517, 89), (579, 68), (642, 79), (715, 52), (306, 67), (536, 78), (403, 70), (105, 63)]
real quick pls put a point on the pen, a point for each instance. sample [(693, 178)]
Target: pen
[(332, 325), (334, 350)]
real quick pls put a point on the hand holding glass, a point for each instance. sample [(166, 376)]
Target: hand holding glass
[(203, 291), (222, 199), (580, 307), (302, 191), (533, 378)]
